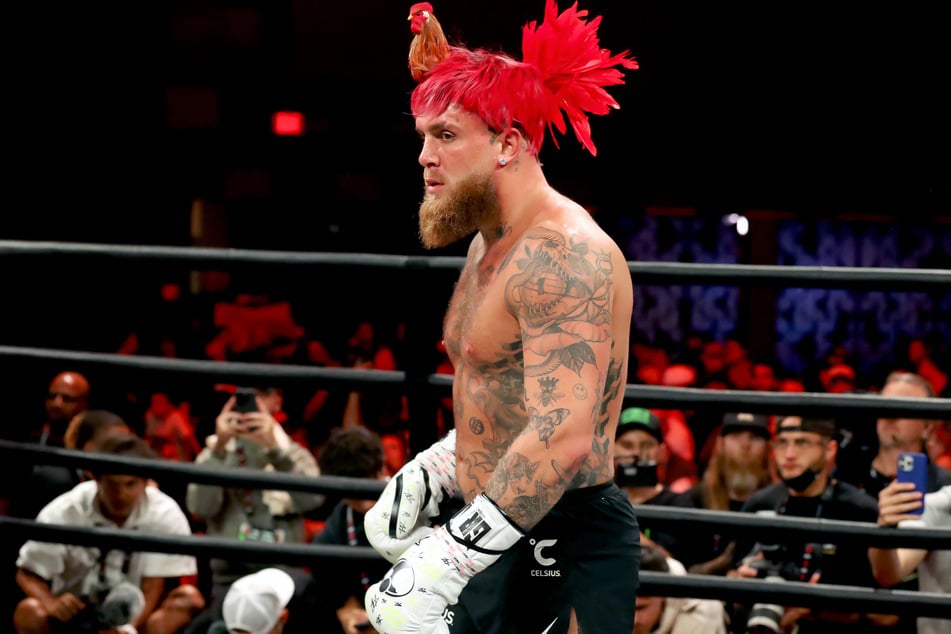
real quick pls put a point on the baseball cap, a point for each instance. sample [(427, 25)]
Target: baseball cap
[(821, 426), (639, 418), (254, 602), (744, 421)]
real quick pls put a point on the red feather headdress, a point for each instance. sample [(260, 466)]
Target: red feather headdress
[(563, 73)]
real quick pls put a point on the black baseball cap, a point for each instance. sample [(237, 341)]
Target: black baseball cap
[(639, 418), (821, 426), (744, 421)]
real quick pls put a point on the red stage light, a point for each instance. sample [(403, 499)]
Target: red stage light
[(287, 123)]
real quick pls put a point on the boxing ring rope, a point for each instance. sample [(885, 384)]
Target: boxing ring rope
[(647, 395), (646, 273), (699, 586)]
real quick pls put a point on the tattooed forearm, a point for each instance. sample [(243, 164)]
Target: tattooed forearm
[(516, 487), (545, 424)]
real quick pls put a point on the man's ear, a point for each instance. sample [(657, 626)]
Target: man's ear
[(512, 144)]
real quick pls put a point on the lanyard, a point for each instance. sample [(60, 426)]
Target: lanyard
[(242, 461), (352, 540)]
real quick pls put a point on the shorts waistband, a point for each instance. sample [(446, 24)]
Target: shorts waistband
[(580, 496)]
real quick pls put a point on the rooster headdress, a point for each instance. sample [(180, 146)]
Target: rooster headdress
[(563, 73)]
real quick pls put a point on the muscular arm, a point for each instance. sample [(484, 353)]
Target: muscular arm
[(562, 297)]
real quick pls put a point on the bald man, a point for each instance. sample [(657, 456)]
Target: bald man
[(26, 487), (68, 395)]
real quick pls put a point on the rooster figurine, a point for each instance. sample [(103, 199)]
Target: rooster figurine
[(429, 45)]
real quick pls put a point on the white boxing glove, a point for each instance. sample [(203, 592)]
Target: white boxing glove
[(411, 499), (413, 596)]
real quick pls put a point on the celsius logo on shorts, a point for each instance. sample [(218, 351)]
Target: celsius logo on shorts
[(540, 545), (399, 581)]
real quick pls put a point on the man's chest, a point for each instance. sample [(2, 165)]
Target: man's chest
[(479, 325)]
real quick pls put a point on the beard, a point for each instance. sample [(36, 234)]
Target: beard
[(456, 214), (742, 477)]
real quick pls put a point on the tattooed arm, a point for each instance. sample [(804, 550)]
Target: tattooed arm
[(563, 298)]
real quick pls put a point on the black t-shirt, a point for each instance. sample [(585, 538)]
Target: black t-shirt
[(333, 581), (844, 562), (664, 536), (700, 546)]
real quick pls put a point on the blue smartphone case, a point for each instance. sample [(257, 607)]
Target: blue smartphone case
[(912, 467)]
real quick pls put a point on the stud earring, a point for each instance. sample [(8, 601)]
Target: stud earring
[(502, 162)]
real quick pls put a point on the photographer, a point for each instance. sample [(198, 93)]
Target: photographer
[(247, 436), (640, 456), (805, 451), (77, 589)]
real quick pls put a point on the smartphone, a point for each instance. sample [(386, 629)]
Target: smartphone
[(245, 400), (913, 467)]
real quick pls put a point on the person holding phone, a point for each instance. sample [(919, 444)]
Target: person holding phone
[(900, 502), (251, 439), (872, 472)]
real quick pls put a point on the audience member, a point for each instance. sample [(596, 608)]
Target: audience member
[(674, 615), (805, 450), (249, 440), (640, 455), (87, 587), (257, 604), (680, 471), (838, 379), (333, 600), (739, 466), (365, 350), (922, 363), (395, 451), (68, 396), (85, 431), (169, 431), (896, 435), (24, 486), (896, 504)]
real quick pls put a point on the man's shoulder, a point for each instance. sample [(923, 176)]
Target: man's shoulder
[(72, 506), (161, 510), (766, 498), (853, 496), (939, 475)]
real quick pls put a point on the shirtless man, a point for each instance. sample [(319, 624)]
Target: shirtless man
[(538, 333)]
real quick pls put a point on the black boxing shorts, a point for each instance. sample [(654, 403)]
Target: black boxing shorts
[(583, 555)]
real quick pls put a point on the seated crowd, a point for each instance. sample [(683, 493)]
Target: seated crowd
[(801, 466)]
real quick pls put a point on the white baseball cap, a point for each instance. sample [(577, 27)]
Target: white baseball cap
[(254, 603)]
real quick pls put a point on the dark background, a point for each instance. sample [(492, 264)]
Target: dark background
[(121, 116)]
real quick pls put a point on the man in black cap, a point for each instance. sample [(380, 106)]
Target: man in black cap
[(738, 466), (805, 451), (639, 458)]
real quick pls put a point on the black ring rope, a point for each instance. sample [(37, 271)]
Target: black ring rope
[(700, 586), (734, 522), (836, 597), (880, 278), (804, 403)]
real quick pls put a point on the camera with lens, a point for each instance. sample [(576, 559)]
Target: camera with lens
[(634, 473), (781, 563)]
